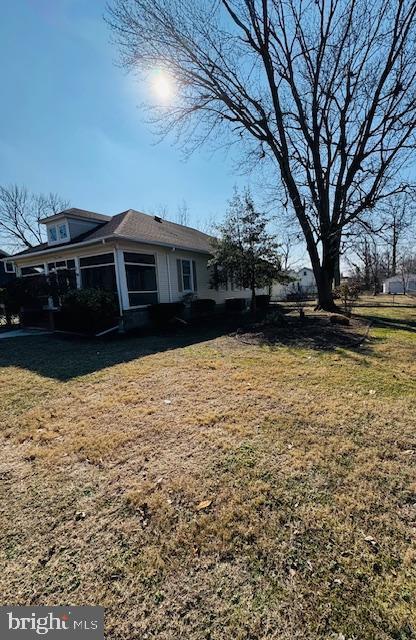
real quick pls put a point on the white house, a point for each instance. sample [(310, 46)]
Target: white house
[(400, 284), (303, 281), (143, 259)]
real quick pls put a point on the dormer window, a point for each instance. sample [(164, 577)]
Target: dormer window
[(63, 231), (58, 233)]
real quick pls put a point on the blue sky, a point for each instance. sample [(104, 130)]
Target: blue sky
[(71, 121)]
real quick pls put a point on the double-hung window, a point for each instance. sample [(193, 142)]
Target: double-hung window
[(187, 281), (141, 278)]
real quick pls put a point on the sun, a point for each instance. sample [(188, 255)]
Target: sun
[(162, 86)]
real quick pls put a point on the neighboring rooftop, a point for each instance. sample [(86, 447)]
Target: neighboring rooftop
[(73, 212), (139, 227), (399, 277)]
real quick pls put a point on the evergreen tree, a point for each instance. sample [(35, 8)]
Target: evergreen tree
[(245, 252)]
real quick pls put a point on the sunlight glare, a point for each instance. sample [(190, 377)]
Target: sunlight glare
[(162, 86)]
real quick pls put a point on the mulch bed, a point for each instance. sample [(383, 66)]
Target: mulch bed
[(314, 331)]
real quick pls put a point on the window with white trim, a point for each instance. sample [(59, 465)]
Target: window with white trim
[(35, 270), (98, 272), (63, 273), (187, 280), (141, 278), (58, 233), (9, 267), (62, 231), (61, 264)]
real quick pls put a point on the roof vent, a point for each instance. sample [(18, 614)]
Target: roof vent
[(158, 219)]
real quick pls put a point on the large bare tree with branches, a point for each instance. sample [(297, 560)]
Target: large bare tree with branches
[(20, 212), (324, 89)]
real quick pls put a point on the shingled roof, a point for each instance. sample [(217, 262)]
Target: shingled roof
[(73, 212), (139, 227)]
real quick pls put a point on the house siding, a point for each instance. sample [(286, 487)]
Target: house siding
[(166, 270)]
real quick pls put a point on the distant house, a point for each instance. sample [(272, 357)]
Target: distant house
[(400, 284), (302, 281), (6, 269), (143, 259)]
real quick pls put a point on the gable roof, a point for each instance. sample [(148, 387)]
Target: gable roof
[(137, 227), (3, 254), (73, 212)]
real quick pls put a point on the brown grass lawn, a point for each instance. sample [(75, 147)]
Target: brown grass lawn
[(200, 487)]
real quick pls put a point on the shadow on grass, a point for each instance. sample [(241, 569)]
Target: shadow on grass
[(65, 357), (392, 323)]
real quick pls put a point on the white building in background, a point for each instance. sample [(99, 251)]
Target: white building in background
[(303, 281), (400, 284)]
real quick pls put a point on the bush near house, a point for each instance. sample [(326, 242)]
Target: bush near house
[(202, 306), (163, 313), (87, 311), (262, 301), (235, 305), (30, 293)]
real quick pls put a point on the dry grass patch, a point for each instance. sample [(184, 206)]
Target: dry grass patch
[(215, 489)]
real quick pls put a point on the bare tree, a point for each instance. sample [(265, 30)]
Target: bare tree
[(160, 210), (406, 265), (398, 216), (20, 212), (323, 89), (182, 213), (370, 259)]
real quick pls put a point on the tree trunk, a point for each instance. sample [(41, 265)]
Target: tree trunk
[(337, 273), (325, 293), (394, 259), (253, 304), (325, 273)]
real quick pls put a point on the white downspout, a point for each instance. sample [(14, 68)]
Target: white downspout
[(77, 273), (169, 282), (118, 279)]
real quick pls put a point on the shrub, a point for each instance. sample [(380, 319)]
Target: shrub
[(348, 293), (262, 301), (87, 311), (163, 313), (29, 293), (235, 305), (202, 306)]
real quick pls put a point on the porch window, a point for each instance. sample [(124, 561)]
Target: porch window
[(36, 270), (98, 272), (64, 273), (187, 280), (141, 278)]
